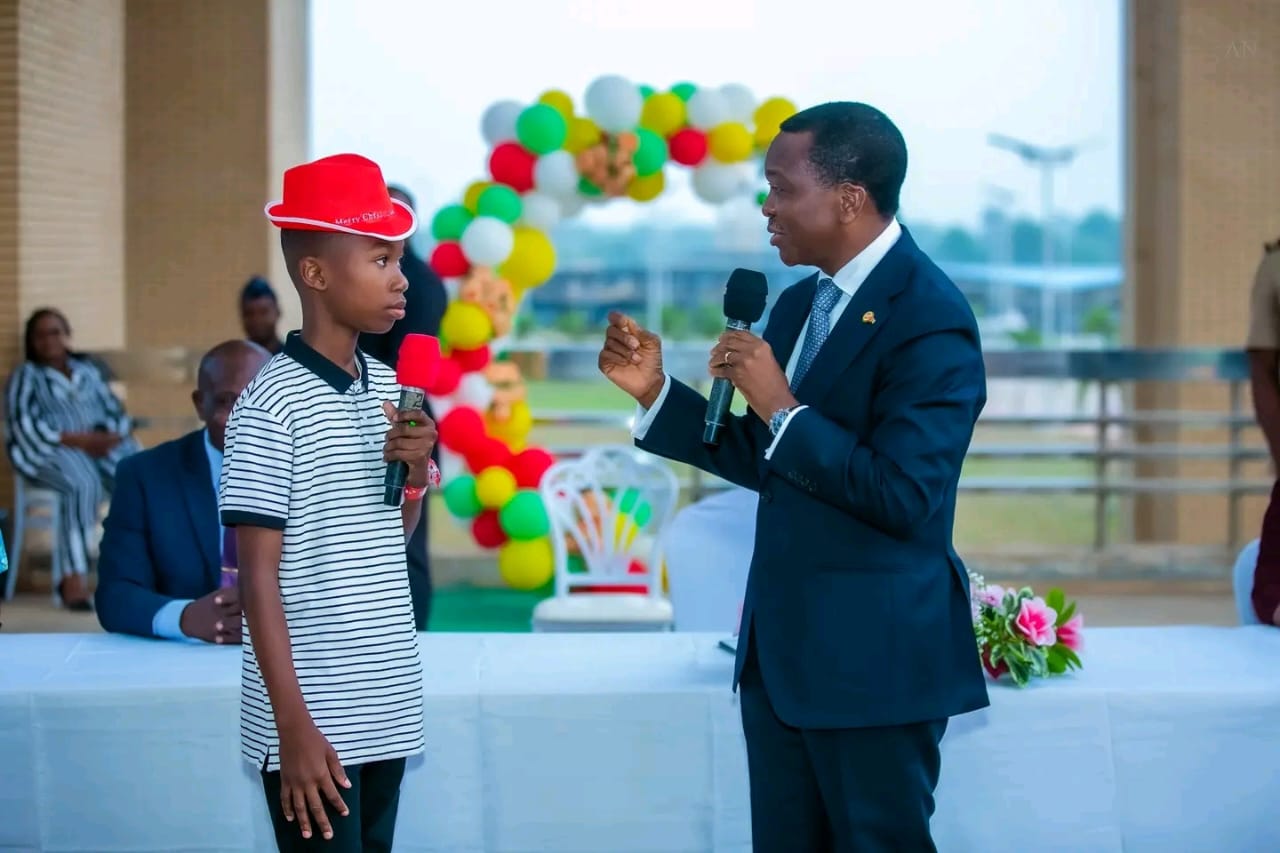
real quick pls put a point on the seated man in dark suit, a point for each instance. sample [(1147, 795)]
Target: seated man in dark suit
[(160, 560)]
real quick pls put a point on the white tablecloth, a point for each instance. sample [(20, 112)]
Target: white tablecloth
[(1168, 741), (707, 547)]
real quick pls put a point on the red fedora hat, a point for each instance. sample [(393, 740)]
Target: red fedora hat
[(344, 193)]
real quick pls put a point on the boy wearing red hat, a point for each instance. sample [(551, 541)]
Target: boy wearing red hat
[(331, 688)]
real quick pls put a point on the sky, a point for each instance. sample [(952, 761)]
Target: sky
[(405, 82)]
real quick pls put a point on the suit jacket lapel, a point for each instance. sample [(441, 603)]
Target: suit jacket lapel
[(201, 503), (867, 312)]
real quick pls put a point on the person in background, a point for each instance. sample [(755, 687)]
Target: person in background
[(66, 432), (260, 314), (1263, 345), (163, 546), (425, 301)]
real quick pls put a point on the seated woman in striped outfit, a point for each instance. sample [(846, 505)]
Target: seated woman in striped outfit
[(65, 431)]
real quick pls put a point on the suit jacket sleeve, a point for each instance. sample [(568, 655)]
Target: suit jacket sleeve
[(126, 598), (924, 411), (676, 433)]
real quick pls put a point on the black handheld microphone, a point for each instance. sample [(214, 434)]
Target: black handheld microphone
[(744, 297), (416, 367)]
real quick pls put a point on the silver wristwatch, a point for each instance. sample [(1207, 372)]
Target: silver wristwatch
[(779, 418)]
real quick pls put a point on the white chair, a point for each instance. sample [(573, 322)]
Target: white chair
[(707, 593), (613, 502), (34, 508), (1242, 583)]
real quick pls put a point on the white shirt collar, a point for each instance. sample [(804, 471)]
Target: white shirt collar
[(851, 276)]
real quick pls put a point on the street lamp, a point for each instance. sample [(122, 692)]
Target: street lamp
[(1046, 159)]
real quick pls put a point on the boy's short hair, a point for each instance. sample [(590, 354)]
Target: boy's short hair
[(258, 288), (297, 243)]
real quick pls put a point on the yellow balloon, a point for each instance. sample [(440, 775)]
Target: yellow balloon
[(583, 133), (730, 142), (465, 325), (647, 188), (471, 198), (764, 137), (515, 429), (773, 112), (561, 101), (527, 564), (663, 113), (532, 260), (495, 486)]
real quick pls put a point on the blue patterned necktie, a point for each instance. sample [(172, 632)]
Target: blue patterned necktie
[(819, 326)]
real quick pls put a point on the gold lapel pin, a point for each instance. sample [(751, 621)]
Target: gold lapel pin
[(869, 317)]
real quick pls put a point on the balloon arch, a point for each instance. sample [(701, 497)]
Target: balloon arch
[(547, 161)]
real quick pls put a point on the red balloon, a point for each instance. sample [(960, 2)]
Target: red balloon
[(636, 567), (448, 375), (512, 165), (448, 260), (529, 465), (688, 147), (486, 453), (487, 530), (461, 430), (471, 360)]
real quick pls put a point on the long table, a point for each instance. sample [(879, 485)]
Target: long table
[(1169, 740)]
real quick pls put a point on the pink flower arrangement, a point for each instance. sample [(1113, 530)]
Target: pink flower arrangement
[(1022, 635)]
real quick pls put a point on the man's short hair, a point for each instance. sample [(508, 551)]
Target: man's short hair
[(258, 288), (855, 143)]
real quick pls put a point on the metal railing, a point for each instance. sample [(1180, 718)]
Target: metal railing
[(1114, 433)]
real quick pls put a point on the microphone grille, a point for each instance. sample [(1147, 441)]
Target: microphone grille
[(745, 295)]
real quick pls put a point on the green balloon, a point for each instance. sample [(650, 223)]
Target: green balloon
[(587, 188), (684, 91), (761, 197), (651, 153), (500, 202), (628, 501), (542, 129), (524, 516), (641, 516), (646, 90), (449, 222), (460, 497)]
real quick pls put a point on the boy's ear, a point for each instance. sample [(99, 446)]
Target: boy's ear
[(311, 273)]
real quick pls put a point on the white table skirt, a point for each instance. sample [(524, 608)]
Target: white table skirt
[(1168, 741)]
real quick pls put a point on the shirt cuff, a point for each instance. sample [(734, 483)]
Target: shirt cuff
[(167, 623), (768, 451), (646, 417)]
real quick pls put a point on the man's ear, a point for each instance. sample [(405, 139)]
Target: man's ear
[(853, 200), (195, 402)]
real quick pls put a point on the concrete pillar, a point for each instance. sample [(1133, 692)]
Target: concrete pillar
[(1203, 81), (216, 109)]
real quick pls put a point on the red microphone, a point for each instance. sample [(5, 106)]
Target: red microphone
[(416, 368)]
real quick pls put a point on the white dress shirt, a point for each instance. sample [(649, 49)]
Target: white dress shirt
[(848, 278)]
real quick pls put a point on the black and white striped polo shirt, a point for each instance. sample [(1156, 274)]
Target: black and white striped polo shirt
[(304, 455)]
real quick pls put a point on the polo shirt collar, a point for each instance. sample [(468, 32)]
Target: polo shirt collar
[(341, 381)]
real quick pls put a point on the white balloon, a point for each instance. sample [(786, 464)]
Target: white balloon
[(572, 205), (716, 183), (740, 104), (614, 103), (556, 174), (541, 211), (498, 124), (707, 108), (487, 241), (475, 391)]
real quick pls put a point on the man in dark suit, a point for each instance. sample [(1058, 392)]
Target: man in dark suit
[(425, 302), (856, 640), (161, 556)]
